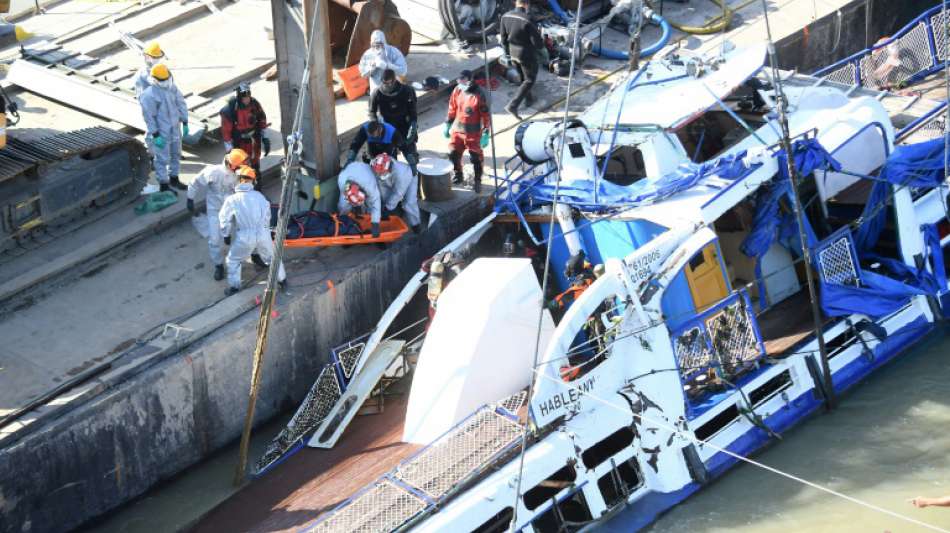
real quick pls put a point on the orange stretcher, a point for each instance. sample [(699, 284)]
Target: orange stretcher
[(390, 230)]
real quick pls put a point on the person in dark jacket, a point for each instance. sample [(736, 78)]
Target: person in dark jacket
[(522, 43), (379, 137), (395, 103)]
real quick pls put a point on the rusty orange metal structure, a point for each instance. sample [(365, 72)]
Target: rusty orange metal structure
[(352, 22)]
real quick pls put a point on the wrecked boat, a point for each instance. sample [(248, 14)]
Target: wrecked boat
[(634, 318)]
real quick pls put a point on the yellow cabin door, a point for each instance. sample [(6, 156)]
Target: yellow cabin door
[(705, 278)]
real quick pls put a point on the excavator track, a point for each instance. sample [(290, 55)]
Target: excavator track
[(64, 180)]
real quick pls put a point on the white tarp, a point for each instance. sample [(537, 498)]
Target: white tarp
[(480, 345)]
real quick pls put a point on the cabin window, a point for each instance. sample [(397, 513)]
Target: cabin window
[(546, 489), (770, 388), (715, 131), (617, 484), (577, 150), (571, 514), (717, 423), (607, 447), (498, 523), (625, 165)]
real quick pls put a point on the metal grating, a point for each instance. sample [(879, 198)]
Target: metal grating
[(459, 453), (940, 39), (723, 338), (837, 263), (933, 128), (349, 357), (892, 65), (383, 507), (846, 74), (20, 155), (323, 395), (732, 336), (513, 402), (692, 352)]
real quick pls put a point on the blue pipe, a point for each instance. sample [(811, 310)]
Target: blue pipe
[(618, 54)]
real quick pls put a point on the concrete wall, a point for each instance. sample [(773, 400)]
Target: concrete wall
[(178, 411)]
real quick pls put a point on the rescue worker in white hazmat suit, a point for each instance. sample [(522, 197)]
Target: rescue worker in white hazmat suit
[(359, 190), (397, 184), (378, 58), (245, 216), (152, 54), (216, 182), (166, 117)]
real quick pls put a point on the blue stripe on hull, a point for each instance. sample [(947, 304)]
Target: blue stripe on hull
[(648, 508)]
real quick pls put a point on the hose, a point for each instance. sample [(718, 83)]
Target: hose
[(618, 54), (715, 25)]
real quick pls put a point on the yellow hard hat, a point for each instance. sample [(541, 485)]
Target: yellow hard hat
[(247, 173), (21, 34), (153, 50), (236, 157), (160, 72)]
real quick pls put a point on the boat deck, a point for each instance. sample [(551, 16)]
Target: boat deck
[(313, 481), (786, 324)]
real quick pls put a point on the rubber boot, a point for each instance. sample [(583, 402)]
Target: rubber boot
[(173, 181), (162, 187), (231, 291), (477, 166), (256, 259), (218, 272), (456, 159)]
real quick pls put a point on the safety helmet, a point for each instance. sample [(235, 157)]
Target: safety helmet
[(235, 158), (247, 172), (153, 50), (160, 72), (382, 166), (243, 89), (353, 194)]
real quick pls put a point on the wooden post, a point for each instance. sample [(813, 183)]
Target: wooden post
[(283, 30), (323, 149)]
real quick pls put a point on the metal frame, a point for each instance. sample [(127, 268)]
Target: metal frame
[(936, 65)]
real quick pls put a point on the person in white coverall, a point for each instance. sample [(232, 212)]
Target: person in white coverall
[(397, 184), (245, 217), (358, 189), (216, 182), (380, 57), (166, 117), (152, 54)]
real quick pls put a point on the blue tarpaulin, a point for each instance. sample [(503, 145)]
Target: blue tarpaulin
[(647, 190), (770, 224), (912, 165)]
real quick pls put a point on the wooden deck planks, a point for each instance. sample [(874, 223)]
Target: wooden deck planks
[(313, 481)]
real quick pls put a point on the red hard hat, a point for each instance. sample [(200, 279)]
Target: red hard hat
[(354, 195), (382, 165)]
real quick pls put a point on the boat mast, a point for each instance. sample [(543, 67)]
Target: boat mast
[(780, 105)]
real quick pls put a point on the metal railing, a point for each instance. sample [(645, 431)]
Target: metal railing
[(724, 339), (430, 477), (911, 54)]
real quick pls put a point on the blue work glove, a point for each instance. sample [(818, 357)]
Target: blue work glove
[(445, 130), (227, 240), (483, 142), (191, 207), (350, 157), (265, 142), (184, 129), (158, 140), (375, 230)]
